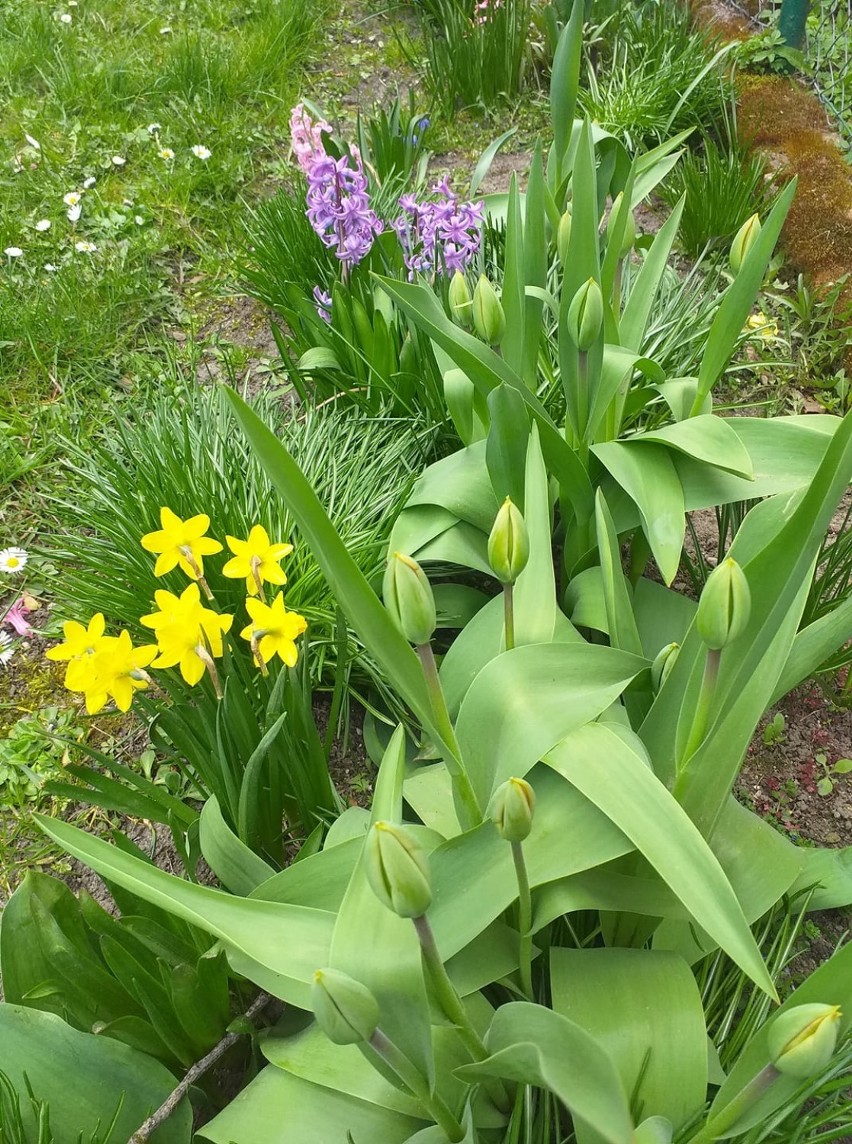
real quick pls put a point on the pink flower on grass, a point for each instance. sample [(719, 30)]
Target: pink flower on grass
[(16, 618)]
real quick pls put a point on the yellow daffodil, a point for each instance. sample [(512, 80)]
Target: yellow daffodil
[(760, 322), (181, 542), (256, 559), (80, 643), (188, 634), (273, 630), (114, 669)]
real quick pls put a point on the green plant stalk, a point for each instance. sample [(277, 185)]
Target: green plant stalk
[(465, 795), (509, 614), (719, 1125), (417, 1083), (583, 401), (702, 712), (524, 918)]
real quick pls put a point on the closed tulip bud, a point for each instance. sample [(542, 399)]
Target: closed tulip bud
[(725, 605), (508, 544), (802, 1041), (629, 229), (563, 236), (408, 598), (461, 302), (744, 240), (398, 870), (511, 809), (585, 315), (663, 664), (488, 316), (345, 1010)]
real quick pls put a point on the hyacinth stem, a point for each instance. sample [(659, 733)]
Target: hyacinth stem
[(719, 1125), (524, 917), (702, 713), (413, 1079), (466, 797), (509, 614), (196, 571)]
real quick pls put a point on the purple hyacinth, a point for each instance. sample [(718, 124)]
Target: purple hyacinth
[(442, 235), (339, 206), (322, 301)]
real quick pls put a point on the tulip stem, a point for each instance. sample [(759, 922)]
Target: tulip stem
[(582, 393), (413, 1079), (524, 917), (719, 1125), (509, 614), (702, 713), (465, 795)]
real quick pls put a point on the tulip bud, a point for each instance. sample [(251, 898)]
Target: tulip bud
[(744, 240), (725, 605), (629, 229), (488, 316), (508, 544), (661, 667), (585, 315), (461, 302), (511, 809), (345, 1010), (408, 598), (398, 870), (563, 236), (802, 1041)]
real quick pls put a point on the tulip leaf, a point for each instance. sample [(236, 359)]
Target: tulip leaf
[(461, 484), (535, 590), (705, 438), (512, 296), (506, 448), (234, 864), (830, 871), (620, 623)]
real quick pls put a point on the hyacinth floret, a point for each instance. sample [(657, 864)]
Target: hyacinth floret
[(322, 301), (339, 206), (306, 137), (441, 235)]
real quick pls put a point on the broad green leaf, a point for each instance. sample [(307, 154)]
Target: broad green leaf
[(645, 1010), (483, 166), (459, 483), (657, 1130), (83, 1078), (319, 881), (704, 438), (319, 357), (523, 702), (614, 775), (239, 869), (604, 889), (457, 604), (462, 544), (417, 525), (617, 368), (564, 84), (662, 616), (812, 647), (506, 447), (830, 871), (534, 1045), (620, 624), (535, 589)]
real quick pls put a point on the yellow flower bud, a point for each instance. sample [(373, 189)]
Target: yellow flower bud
[(563, 236), (488, 316), (398, 870), (585, 315), (629, 229), (665, 660), (408, 598), (744, 240), (725, 605), (508, 544), (345, 1010), (802, 1041), (511, 809), (461, 301)]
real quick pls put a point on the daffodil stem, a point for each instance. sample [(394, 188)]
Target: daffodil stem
[(193, 563), (509, 614), (255, 571), (414, 1080), (465, 795), (524, 917), (702, 713), (719, 1125), (209, 662), (255, 650)]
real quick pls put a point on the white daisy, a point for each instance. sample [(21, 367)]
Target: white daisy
[(72, 198), (118, 160), (90, 182), (66, 18), (155, 128), (12, 252), (13, 560), (166, 153), (6, 649), (139, 220), (50, 268), (201, 152), (42, 225), (85, 247), (34, 143), (74, 213)]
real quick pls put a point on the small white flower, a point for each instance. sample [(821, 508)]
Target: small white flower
[(118, 161), (154, 128), (17, 165), (66, 18), (90, 182), (139, 220), (72, 198), (127, 202), (166, 153), (201, 152), (34, 143), (6, 649), (42, 225), (85, 247), (72, 3), (50, 268), (13, 560), (166, 31), (12, 252), (74, 213)]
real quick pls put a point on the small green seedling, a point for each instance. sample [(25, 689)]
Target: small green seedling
[(774, 731), (826, 784)]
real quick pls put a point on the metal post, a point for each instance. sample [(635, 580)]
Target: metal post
[(791, 23)]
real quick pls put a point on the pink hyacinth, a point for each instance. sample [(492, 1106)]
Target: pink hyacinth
[(306, 137), (16, 618)]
